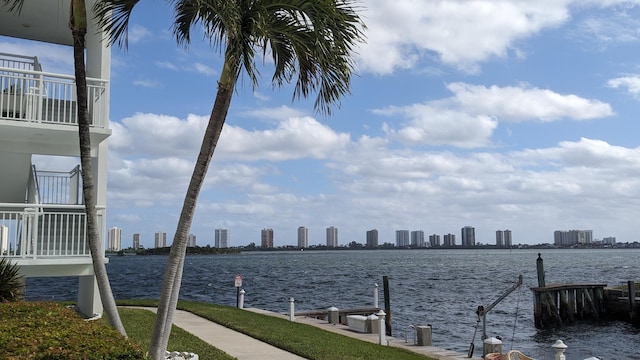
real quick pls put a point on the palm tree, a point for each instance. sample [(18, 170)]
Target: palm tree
[(78, 27), (11, 282), (309, 40)]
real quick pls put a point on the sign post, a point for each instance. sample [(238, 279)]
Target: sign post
[(238, 282)]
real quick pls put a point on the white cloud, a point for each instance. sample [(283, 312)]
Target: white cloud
[(523, 103), (456, 32), (204, 69), (152, 84), (280, 113), (294, 138), (138, 33), (430, 125), (629, 82)]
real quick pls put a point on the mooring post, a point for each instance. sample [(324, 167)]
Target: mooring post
[(632, 300), (375, 295), (382, 340), (540, 268), (387, 304), (241, 299), (560, 348), (292, 315)]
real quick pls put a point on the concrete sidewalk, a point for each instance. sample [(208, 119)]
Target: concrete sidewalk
[(232, 342)]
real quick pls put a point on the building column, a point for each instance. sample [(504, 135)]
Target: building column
[(89, 303)]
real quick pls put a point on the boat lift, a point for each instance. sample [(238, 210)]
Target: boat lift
[(482, 313)]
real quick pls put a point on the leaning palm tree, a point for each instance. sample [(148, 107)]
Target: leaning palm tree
[(309, 40), (78, 28)]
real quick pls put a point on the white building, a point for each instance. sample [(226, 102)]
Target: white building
[(136, 241), (160, 239), (38, 117), (402, 238), (332, 236), (222, 238), (303, 237), (468, 236), (114, 240), (191, 240), (417, 238)]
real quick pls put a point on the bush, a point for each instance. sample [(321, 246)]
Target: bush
[(11, 282), (45, 330)]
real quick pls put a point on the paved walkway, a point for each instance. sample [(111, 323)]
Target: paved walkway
[(232, 342), (245, 347)]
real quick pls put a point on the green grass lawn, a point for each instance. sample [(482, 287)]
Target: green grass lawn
[(305, 340), (139, 324)]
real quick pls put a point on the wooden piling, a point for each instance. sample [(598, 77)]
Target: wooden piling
[(540, 269), (632, 300), (387, 304)]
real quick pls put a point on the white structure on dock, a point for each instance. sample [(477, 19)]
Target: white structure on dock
[(42, 209)]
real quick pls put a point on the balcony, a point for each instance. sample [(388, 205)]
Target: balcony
[(34, 96), (40, 108), (51, 225)]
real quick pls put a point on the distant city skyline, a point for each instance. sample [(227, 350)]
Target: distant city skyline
[(414, 238)]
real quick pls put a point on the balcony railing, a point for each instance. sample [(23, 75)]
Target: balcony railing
[(45, 232), (31, 95), (58, 187)]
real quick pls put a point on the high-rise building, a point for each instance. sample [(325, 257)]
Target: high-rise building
[(417, 238), (160, 239), (222, 238), (372, 238), (507, 238), (434, 240), (332, 236), (449, 240), (303, 237), (136, 241), (499, 238), (402, 238), (114, 240), (468, 236), (191, 240), (572, 237), (610, 240), (266, 236), (4, 240)]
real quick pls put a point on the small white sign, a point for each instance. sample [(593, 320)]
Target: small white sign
[(238, 280)]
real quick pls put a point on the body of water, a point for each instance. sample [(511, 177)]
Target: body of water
[(438, 287)]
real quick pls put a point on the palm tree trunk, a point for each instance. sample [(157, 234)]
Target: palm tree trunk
[(77, 19), (173, 273)]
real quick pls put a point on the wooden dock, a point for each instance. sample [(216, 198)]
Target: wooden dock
[(558, 304)]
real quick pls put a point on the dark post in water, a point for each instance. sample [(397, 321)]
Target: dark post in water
[(632, 300), (540, 268), (387, 304)]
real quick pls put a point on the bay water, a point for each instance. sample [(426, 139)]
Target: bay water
[(442, 288)]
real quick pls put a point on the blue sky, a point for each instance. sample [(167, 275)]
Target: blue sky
[(515, 115)]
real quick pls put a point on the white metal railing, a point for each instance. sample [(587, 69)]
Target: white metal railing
[(27, 94), (23, 62), (59, 187), (37, 232)]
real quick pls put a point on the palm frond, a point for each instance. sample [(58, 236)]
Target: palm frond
[(15, 6), (113, 17)]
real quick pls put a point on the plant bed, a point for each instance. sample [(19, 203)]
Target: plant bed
[(45, 330)]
